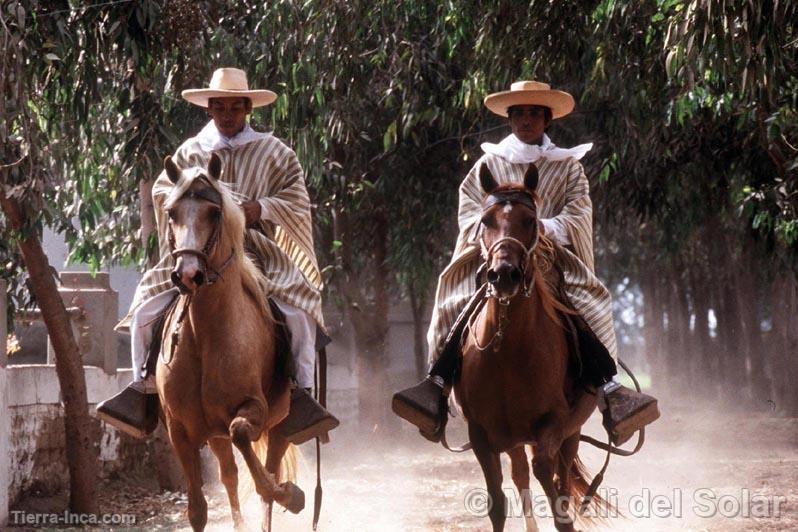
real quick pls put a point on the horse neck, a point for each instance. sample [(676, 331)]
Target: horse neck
[(521, 314), (215, 299)]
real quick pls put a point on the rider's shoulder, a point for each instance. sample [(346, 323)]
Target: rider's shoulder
[(492, 160), (274, 143)]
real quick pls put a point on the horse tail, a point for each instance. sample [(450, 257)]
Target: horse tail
[(599, 510), (288, 465)]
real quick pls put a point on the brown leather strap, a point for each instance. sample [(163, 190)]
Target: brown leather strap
[(320, 376), (610, 448)]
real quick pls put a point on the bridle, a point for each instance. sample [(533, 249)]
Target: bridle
[(514, 197), (213, 196)]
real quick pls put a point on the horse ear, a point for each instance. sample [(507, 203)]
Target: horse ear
[(486, 179), (531, 177), (215, 166), (172, 171)]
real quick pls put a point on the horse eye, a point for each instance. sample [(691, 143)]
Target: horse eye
[(487, 221), (215, 214), (529, 221)]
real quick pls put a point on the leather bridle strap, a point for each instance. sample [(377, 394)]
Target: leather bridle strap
[(212, 195)]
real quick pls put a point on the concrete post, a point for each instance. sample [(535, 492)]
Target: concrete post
[(5, 423), (95, 329)]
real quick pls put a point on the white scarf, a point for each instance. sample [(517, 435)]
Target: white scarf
[(211, 140), (513, 150)]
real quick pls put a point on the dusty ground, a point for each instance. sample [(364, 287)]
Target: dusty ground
[(700, 470)]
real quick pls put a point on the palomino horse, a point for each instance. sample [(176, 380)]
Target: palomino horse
[(218, 376), (515, 387)]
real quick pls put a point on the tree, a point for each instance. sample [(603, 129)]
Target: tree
[(23, 178)]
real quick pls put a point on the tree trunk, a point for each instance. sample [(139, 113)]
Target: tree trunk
[(369, 319), (748, 296), (704, 369), (678, 333), (81, 443), (784, 345), (652, 327), (730, 330)]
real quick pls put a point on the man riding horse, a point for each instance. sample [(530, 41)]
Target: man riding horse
[(266, 174), (566, 218)]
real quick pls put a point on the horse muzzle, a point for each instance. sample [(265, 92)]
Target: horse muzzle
[(505, 279), (189, 274)]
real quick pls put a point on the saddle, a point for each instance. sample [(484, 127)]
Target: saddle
[(282, 337)]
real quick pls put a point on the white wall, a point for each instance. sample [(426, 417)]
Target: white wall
[(5, 426), (34, 420)]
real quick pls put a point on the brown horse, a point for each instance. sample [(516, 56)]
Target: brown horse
[(515, 387), (217, 376)]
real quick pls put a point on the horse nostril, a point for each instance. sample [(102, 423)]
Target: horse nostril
[(493, 277), (515, 276), (175, 278), (199, 278)]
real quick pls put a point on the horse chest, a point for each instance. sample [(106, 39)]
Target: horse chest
[(506, 395)]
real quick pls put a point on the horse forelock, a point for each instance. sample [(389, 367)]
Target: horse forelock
[(510, 189)]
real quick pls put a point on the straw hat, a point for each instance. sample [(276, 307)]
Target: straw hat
[(226, 83), (531, 93)]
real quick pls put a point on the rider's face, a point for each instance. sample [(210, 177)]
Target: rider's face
[(229, 114), (529, 122)]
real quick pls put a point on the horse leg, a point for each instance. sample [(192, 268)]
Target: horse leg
[(245, 428), (547, 452), (568, 452), (228, 472), (274, 455), (189, 457), (581, 410), (520, 474), (492, 469)]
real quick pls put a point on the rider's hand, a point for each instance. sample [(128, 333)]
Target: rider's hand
[(251, 212)]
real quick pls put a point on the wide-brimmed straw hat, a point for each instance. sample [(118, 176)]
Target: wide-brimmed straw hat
[(226, 83), (531, 93)]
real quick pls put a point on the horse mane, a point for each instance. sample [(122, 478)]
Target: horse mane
[(233, 227), (545, 252)]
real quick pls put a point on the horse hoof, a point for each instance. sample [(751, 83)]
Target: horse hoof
[(294, 498)]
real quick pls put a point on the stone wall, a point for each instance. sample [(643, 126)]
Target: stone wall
[(36, 430)]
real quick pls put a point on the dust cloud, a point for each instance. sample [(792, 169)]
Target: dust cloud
[(714, 467)]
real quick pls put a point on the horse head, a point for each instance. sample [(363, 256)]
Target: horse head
[(195, 207), (510, 232)]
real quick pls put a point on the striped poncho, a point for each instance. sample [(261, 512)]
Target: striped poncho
[(564, 197), (282, 243)]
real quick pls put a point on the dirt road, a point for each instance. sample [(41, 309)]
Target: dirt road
[(700, 470)]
